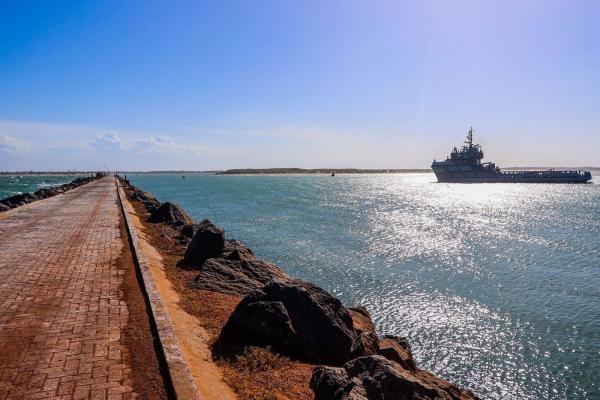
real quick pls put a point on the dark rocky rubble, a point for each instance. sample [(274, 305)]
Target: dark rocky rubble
[(375, 377), (149, 201), (168, 213)]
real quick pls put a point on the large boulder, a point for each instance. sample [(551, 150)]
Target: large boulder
[(208, 241), (397, 349), (236, 276), (295, 318), (361, 319), (169, 213), (375, 377), (335, 384), (237, 251), (365, 344), (189, 230)]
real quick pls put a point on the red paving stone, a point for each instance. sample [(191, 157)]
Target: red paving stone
[(61, 320)]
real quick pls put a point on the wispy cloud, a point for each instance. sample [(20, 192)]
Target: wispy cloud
[(158, 144), (111, 141), (13, 143), (108, 141)]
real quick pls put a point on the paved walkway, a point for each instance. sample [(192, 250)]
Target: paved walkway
[(63, 317)]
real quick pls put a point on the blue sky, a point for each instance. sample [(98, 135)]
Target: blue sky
[(226, 84)]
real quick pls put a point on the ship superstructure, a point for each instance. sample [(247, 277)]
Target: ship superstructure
[(465, 165)]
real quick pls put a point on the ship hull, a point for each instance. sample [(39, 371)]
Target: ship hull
[(501, 180), (468, 174)]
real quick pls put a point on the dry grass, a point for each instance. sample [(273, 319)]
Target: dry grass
[(258, 359), (260, 374)]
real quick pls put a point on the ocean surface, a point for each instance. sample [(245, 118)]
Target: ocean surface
[(497, 286), (11, 185)]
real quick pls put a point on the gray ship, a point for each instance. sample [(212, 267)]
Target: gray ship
[(464, 165)]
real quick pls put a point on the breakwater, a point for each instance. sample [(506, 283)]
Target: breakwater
[(292, 317), (43, 193)]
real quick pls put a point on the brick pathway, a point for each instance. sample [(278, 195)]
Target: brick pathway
[(62, 320)]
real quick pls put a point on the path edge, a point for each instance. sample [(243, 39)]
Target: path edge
[(180, 375)]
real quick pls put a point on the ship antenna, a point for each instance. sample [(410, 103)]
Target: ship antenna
[(470, 137)]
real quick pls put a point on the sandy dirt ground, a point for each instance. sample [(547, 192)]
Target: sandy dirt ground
[(193, 339)]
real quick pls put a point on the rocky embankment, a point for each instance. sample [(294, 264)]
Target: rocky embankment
[(25, 198), (295, 318)]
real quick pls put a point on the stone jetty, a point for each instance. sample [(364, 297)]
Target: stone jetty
[(73, 322)]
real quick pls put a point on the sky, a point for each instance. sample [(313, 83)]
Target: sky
[(198, 85)]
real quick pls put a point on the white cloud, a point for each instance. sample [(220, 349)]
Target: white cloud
[(158, 144), (108, 141), (13, 143)]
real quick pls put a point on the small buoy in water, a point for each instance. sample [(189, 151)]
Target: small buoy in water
[(183, 177)]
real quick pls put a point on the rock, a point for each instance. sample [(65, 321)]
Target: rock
[(334, 384), (237, 251), (295, 318), (46, 192), (150, 203), (4, 207), (169, 213), (140, 195), (397, 349), (365, 344), (208, 241), (238, 277), (362, 319), (79, 181), (189, 230), (19, 200), (375, 377)]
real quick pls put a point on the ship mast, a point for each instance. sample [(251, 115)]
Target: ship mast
[(469, 140)]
